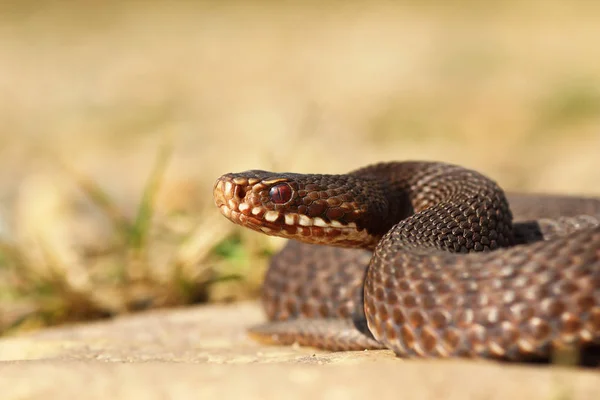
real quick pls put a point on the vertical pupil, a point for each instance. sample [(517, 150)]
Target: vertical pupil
[(281, 193)]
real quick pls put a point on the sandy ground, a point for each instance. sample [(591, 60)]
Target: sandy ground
[(203, 352)]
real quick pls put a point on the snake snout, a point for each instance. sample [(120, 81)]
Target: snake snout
[(227, 194), (219, 193), (230, 196)]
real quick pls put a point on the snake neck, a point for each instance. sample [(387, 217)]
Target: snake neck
[(443, 206)]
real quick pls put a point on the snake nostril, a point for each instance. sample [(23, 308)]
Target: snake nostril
[(239, 192)]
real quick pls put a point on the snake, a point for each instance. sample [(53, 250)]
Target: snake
[(426, 258)]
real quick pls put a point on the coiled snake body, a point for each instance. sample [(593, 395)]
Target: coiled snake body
[(423, 258)]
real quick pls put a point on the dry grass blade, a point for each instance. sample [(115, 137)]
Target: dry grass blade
[(101, 199), (141, 226), (198, 246)]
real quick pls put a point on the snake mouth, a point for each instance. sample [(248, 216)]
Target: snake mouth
[(230, 198), (312, 230)]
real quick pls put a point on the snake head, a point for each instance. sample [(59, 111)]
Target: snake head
[(333, 209)]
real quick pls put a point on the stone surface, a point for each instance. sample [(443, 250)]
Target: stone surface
[(203, 352)]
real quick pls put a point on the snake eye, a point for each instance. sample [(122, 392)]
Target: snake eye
[(281, 193)]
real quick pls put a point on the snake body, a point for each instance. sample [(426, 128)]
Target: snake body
[(425, 258)]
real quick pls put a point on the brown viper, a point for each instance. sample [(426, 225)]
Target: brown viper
[(423, 258)]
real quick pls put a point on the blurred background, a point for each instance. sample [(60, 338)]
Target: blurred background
[(116, 117)]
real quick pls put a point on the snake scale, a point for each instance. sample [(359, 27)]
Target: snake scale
[(427, 259)]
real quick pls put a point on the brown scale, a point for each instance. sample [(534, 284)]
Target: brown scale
[(522, 290)]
